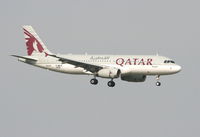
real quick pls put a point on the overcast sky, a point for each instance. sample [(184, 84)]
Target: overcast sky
[(39, 103)]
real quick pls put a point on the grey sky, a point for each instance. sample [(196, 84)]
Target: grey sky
[(39, 103)]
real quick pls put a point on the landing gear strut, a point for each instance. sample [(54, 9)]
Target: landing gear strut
[(111, 83), (94, 81), (158, 83)]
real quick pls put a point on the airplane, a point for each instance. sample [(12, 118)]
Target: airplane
[(131, 68)]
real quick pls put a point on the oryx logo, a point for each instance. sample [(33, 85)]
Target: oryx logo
[(32, 43)]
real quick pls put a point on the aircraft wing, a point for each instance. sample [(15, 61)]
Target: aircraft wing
[(88, 67)]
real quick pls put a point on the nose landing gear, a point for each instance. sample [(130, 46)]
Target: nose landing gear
[(158, 83)]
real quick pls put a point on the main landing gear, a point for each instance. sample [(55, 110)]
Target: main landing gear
[(110, 83), (158, 83), (94, 81)]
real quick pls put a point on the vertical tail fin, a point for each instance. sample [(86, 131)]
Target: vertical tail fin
[(35, 46)]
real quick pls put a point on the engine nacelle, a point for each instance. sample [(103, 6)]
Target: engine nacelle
[(109, 73), (133, 77)]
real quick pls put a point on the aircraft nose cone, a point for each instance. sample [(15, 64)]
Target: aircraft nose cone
[(178, 68)]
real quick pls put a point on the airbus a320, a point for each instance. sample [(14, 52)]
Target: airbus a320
[(131, 68)]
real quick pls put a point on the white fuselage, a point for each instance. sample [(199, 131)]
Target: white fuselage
[(128, 64)]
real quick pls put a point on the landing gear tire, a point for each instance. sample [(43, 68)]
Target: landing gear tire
[(158, 84), (158, 78), (111, 83), (94, 81)]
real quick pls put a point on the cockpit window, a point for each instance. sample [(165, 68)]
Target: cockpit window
[(172, 61), (169, 61)]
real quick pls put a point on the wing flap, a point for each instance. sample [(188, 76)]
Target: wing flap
[(88, 67)]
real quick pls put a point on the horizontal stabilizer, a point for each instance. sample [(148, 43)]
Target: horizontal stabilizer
[(25, 57)]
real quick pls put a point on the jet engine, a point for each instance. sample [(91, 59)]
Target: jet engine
[(133, 77), (109, 73)]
